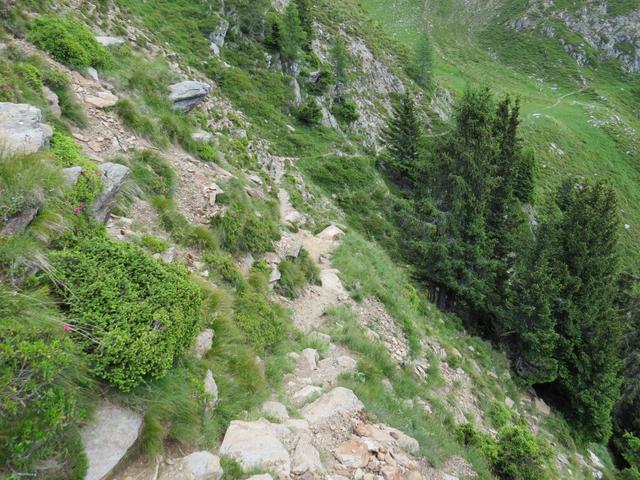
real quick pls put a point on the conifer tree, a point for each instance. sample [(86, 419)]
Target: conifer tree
[(401, 138), (424, 60), (293, 36), (504, 218), (588, 326), (462, 258), (528, 322), (306, 19)]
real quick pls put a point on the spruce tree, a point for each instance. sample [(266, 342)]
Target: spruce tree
[(292, 35), (306, 18), (588, 326), (401, 138), (461, 265), (527, 319), (424, 61), (505, 221), (340, 61)]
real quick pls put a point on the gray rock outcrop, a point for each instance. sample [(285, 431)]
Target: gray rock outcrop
[(258, 446), (113, 176), (107, 41), (337, 401), (188, 94), (203, 343), (197, 466), (218, 36), (108, 438), (21, 129)]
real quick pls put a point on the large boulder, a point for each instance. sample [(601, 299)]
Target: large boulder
[(108, 438), (338, 401), (21, 129), (188, 94), (113, 176), (258, 446), (197, 466)]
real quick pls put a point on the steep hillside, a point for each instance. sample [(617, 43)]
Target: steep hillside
[(581, 116), (201, 259)]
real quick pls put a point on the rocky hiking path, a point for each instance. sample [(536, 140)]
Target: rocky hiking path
[(325, 432)]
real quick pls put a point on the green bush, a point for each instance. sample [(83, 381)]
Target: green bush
[(41, 379), (31, 75), (467, 435), (345, 111), (247, 225), (520, 455), (27, 182), (138, 122), (152, 173), (68, 41), (499, 414), (515, 455), (223, 266), (179, 227), (136, 314), (310, 113), (296, 273), (89, 184), (153, 244), (262, 322)]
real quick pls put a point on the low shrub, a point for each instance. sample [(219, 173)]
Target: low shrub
[(41, 383), (132, 314), (89, 184), (31, 75), (321, 81), (499, 414), (296, 273), (345, 111), (179, 227), (138, 122), (310, 113), (520, 455), (152, 173), (262, 322), (247, 225), (154, 244), (515, 455), (468, 436), (223, 266), (68, 41)]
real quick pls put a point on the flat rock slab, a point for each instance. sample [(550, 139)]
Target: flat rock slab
[(188, 94), (258, 446), (338, 401), (21, 129), (108, 438)]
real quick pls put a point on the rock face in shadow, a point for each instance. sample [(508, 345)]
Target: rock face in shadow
[(108, 438), (21, 129), (188, 94)]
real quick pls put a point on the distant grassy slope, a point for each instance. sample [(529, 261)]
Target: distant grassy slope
[(475, 45)]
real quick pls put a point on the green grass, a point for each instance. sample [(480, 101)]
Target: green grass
[(474, 46), (433, 432)]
